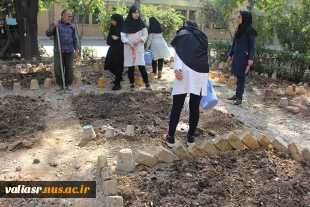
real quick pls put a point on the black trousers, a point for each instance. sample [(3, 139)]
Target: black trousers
[(178, 102), (160, 65), (131, 74)]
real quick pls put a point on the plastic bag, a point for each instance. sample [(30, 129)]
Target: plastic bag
[(211, 100), (133, 53)]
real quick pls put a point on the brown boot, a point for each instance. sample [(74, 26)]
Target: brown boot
[(159, 75)]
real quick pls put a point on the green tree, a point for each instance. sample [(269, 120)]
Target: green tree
[(169, 18), (26, 17), (293, 27), (218, 12), (105, 16), (288, 22), (84, 7)]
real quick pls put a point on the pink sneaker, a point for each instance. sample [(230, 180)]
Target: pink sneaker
[(169, 140)]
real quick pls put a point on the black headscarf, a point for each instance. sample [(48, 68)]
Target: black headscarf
[(191, 45), (116, 30), (246, 26), (132, 25), (154, 26)]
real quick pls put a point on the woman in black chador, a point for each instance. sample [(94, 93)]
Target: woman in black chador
[(115, 57)]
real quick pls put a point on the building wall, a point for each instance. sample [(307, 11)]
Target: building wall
[(47, 17), (92, 31)]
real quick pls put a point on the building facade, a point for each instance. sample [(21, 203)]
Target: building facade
[(187, 8)]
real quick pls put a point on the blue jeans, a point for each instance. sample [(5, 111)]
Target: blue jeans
[(178, 102), (240, 86)]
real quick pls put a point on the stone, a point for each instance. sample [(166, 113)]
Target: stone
[(101, 163), (18, 168), (145, 158), (77, 165), (263, 140), (180, 151), (300, 90), (234, 141), (295, 150), (165, 155), (3, 146), (2, 94), (109, 187), (106, 173), (125, 162), (114, 201), (195, 151), (289, 91), (292, 109), (306, 154), (250, 141), (222, 144), (280, 144), (209, 148)]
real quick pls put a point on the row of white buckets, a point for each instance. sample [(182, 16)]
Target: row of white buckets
[(89, 132)]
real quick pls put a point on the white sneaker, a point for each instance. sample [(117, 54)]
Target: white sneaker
[(69, 88), (58, 88)]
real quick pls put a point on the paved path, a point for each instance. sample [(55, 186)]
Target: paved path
[(100, 46)]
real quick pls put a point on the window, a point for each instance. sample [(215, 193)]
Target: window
[(79, 18), (192, 15), (95, 17)]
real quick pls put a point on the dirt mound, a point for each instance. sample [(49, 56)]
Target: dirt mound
[(148, 111), (236, 178), (8, 79), (21, 116)]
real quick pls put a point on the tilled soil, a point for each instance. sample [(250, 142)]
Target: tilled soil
[(262, 177), (256, 178), (20, 117), (8, 79), (149, 112)]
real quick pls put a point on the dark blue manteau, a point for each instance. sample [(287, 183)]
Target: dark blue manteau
[(241, 51)]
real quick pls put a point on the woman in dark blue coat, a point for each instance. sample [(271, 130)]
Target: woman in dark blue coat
[(242, 51)]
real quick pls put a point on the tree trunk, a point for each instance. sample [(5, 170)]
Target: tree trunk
[(137, 2), (82, 32), (9, 40), (250, 5), (76, 31), (27, 12)]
